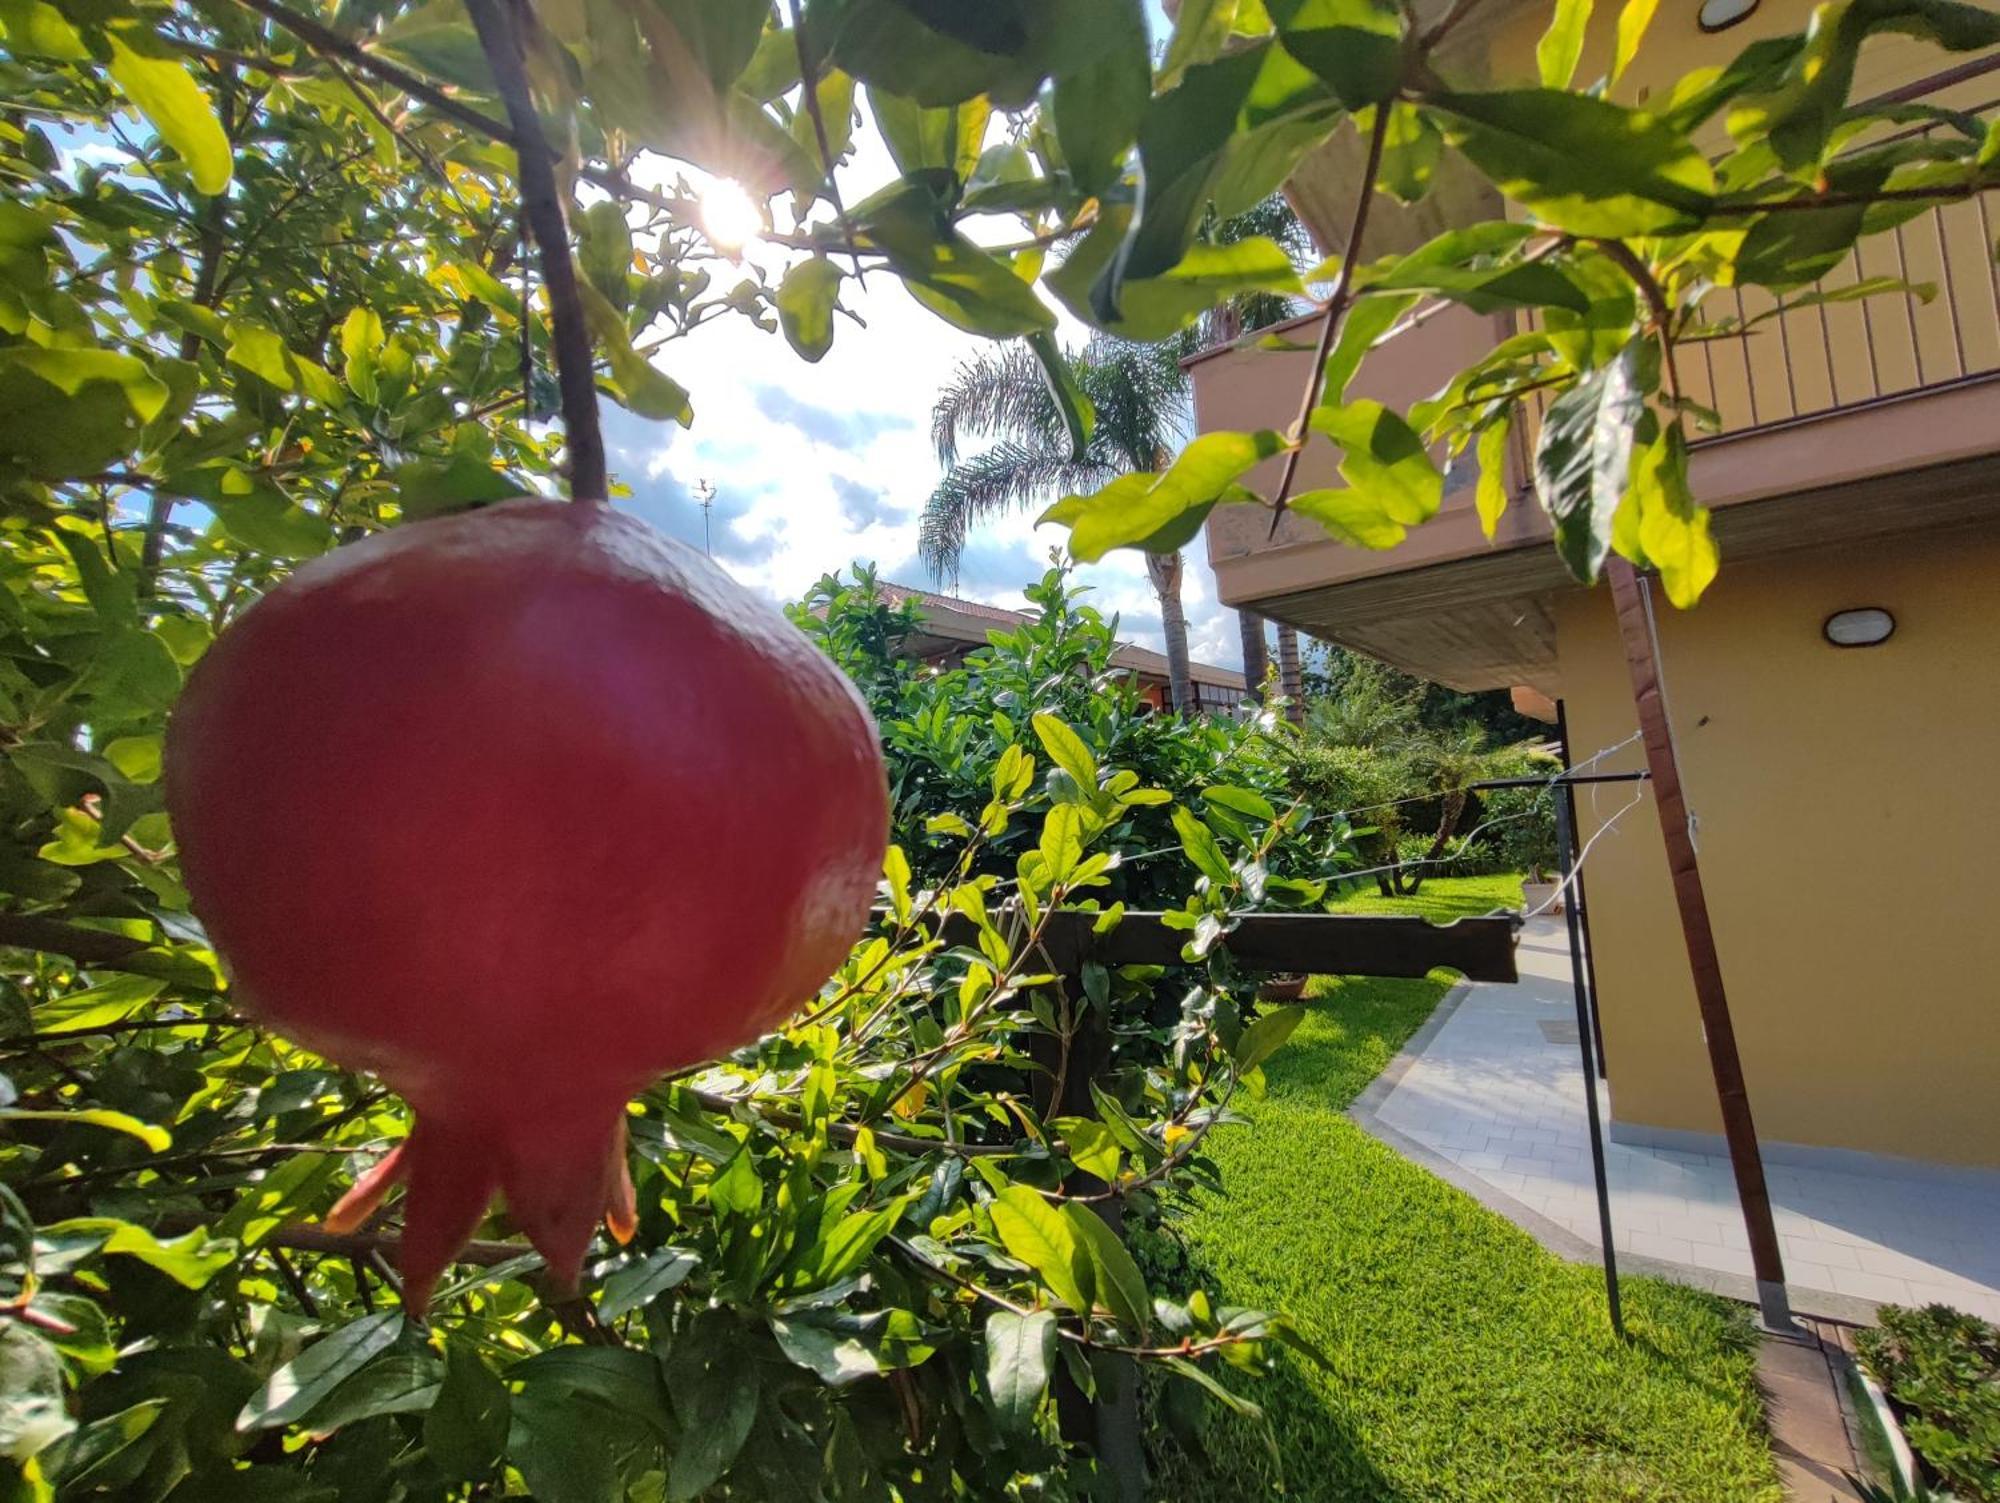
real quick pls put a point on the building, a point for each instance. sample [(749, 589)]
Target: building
[(953, 627), (1846, 796)]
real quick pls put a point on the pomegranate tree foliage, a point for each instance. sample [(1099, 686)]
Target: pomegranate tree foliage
[(262, 288)]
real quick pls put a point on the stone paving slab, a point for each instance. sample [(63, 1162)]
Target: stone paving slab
[(1486, 1094)]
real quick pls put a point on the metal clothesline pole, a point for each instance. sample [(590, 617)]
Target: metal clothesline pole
[(1566, 848)]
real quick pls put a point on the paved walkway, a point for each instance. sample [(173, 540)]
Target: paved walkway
[(1490, 1095)]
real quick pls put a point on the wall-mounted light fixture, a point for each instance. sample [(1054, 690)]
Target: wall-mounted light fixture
[(1717, 15), (1864, 626)]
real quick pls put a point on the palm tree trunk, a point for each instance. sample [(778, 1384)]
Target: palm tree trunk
[(1256, 654), (1290, 683), (1165, 569), (1454, 811)]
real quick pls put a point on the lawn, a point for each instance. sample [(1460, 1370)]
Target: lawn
[(1467, 1363), (1440, 898)]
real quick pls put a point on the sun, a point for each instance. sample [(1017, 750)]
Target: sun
[(730, 216)]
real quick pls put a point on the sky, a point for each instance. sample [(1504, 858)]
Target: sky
[(816, 467)]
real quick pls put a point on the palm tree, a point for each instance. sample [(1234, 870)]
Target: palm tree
[(1144, 412), (1143, 415)]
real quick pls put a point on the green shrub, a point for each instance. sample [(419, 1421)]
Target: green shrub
[(944, 731), (1941, 1369)]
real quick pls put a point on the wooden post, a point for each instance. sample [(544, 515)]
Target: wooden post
[(1733, 1096)]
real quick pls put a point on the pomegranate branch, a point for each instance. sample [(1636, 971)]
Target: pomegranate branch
[(501, 39)]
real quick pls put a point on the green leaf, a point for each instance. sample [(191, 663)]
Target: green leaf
[(1561, 46), (1491, 497), (1096, 108), (399, 1383), (1239, 801), (850, 1242), (261, 350), (466, 1429), (717, 1413), (163, 90), (947, 273), (641, 386), (1263, 1038), (67, 412), (1020, 1350), (738, 1190), (1078, 415), (290, 1393), (637, 1284), (1486, 289), (156, 1138), (1390, 476), (100, 1455), (604, 251), (1157, 306), (1223, 140), (1584, 460), (918, 139), (190, 1260), (1412, 147), (1583, 164), (838, 1357), (1673, 529), (1356, 46), (111, 1001), (1634, 18), (1066, 749), (34, 28), (1160, 513), (1037, 1234), (1092, 1146), (1201, 846), (806, 301), (263, 520), (1115, 1280), (1368, 320)]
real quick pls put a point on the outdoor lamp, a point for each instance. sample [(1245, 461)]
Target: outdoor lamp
[(1864, 626)]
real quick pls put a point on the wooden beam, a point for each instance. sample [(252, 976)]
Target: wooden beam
[(1731, 1093)]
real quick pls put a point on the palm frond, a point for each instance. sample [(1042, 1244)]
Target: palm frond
[(1003, 478), (999, 393)]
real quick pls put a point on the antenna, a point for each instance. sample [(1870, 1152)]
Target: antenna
[(704, 492)]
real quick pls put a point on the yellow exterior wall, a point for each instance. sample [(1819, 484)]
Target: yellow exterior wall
[(1849, 828)]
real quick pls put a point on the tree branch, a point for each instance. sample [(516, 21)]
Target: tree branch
[(499, 37), (1337, 303), (809, 101)]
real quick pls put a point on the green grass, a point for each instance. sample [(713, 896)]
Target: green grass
[(1440, 898), (1466, 1362)]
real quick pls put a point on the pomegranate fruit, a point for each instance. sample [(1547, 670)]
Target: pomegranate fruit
[(521, 809)]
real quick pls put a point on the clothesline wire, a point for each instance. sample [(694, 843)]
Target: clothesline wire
[(1464, 841), (1567, 887)]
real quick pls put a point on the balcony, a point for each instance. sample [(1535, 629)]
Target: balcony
[(1839, 421)]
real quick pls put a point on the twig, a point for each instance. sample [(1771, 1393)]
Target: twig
[(1081, 1338), (569, 334), (1336, 310), (809, 100), (292, 1281), (90, 947), (325, 39), (1812, 201), (106, 1030)]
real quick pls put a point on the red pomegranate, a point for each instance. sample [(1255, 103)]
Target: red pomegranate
[(522, 809)]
